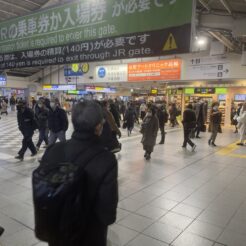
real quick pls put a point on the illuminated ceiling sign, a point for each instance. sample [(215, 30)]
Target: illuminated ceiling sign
[(75, 92), (59, 87), (100, 89)]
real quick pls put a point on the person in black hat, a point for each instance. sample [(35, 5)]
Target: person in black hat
[(27, 126)]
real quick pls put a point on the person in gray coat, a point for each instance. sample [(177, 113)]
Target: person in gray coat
[(149, 130)]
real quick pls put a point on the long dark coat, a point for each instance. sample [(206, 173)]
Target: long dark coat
[(149, 130)]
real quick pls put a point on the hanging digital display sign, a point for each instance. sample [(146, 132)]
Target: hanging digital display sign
[(100, 89), (75, 92), (59, 87)]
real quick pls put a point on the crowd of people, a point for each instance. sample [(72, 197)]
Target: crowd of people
[(50, 118), (74, 197)]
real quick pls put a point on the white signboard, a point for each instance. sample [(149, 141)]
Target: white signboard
[(208, 68), (111, 73)]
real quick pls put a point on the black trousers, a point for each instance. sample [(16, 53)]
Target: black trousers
[(187, 132), (162, 129), (27, 143), (92, 238)]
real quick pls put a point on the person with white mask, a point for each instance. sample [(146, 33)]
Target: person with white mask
[(57, 122), (242, 125)]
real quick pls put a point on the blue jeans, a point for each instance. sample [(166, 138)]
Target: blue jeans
[(43, 136), (57, 135)]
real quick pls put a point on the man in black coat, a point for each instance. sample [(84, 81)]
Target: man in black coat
[(163, 118), (100, 174), (27, 126), (189, 123), (41, 114), (57, 122)]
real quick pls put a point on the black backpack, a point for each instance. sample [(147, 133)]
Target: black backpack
[(60, 202)]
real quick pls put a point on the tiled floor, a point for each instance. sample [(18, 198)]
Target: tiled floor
[(178, 198)]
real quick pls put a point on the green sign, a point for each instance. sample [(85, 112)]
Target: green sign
[(189, 91), (221, 90), (132, 23)]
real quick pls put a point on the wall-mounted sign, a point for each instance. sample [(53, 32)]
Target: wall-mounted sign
[(17, 91), (175, 91), (154, 91), (222, 97), (100, 89), (204, 91), (59, 87), (156, 70), (76, 69), (208, 68), (111, 73), (189, 91), (86, 30), (221, 90), (3, 80), (240, 97)]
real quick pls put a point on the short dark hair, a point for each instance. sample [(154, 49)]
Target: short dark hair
[(86, 116), (189, 106)]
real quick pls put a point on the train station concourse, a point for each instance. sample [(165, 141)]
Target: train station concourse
[(122, 123)]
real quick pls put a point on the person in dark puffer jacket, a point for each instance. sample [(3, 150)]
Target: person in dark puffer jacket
[(57, 122), (101, 174)]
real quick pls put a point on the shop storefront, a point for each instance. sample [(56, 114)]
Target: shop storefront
[(227, 97)]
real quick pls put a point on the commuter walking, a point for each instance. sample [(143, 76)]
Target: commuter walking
[(27, 125), (214, 125), (1, 231), (163, 119), (110, 130), (42, 114), (129, 118), (4, 107), (242, 125), (143, 109), (234, 117), (189, 123), (115, 112), (173, 114), (57, 122), (122, 109), (200, 117), (149, 129), (84, 205), (12, 103)]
